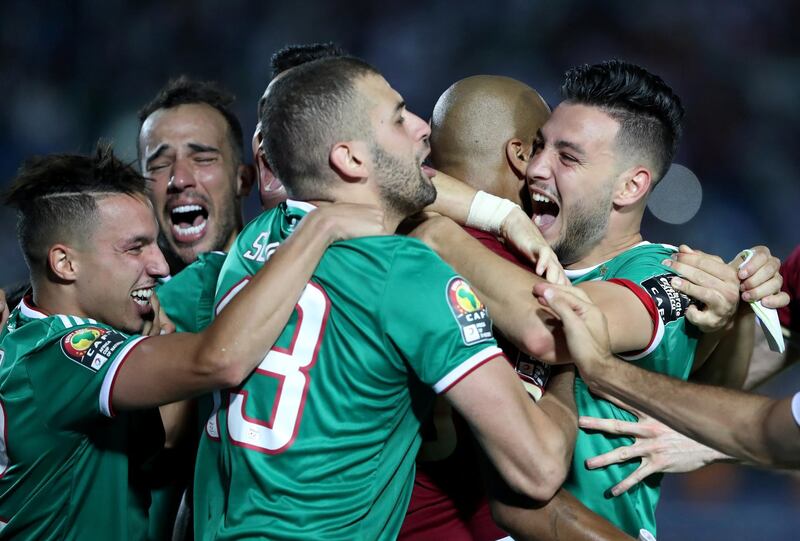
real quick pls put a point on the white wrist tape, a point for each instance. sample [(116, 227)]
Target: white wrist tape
[(487, 212)]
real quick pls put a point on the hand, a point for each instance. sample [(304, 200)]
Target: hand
[(708, 279), (520, 232), (584, 325), (660, 448), (160, 323), (344, 221), (761, 279), (4, 312)]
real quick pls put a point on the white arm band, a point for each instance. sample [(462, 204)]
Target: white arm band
[(487, 212)]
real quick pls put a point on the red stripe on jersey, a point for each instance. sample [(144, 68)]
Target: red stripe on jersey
[(649, 305)]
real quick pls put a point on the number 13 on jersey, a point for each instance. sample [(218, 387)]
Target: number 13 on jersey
[(290, 366)]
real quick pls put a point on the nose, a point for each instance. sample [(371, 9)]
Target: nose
[(181, 178), (539, 167), (420, 128), (156, 264)]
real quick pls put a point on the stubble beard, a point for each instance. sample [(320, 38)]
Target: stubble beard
[(404, 188), (586, 226)]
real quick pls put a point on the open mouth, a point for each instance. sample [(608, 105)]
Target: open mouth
[(142, 296), (188, 222), (545, 210), (427, 168)]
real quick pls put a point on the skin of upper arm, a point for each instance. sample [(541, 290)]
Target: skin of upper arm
[(630, 326)]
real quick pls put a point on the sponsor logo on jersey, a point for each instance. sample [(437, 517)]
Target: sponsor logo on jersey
[(91, 347), (671, 304), (469, 312)]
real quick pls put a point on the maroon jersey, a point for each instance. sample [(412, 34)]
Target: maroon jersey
[(790, 270), (449, 500)]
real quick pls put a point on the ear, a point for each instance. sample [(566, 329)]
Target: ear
[(63, 262), (245, 177), (270, 189), (350, 160), (517, 155), (635, 186)]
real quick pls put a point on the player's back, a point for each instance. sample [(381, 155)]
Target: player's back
[(64, 469), (320, 441)]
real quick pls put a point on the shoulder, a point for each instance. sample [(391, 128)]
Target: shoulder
[(640, 262)]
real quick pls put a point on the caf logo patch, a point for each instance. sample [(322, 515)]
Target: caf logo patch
[(469, 312), (75, 344)]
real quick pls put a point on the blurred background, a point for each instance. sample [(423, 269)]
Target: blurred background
[(71, 72)]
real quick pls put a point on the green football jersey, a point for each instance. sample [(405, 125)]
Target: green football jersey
[(188, 297), (68, 462), (320, 441), (671, 351), (188, 300)]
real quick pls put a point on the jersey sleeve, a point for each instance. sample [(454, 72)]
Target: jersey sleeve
[(188, 297), (433, 317), (73, 376), (649, 280)]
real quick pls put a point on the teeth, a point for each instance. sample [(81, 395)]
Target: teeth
[(187, 208), (541, 198), (142, 296), (191, 230)]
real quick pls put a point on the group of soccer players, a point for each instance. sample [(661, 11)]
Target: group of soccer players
[(332, 379)]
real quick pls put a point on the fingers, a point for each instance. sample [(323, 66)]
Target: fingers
[(612, 426), (566, 289), (615, 456), (641, 473), (761, 256), (703, 269), (765, 280), (776, 301), (772, 286), (4, 311)]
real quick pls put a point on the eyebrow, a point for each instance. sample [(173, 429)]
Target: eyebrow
[(561, 144), (138, 239), (399, 107), (195, 147)]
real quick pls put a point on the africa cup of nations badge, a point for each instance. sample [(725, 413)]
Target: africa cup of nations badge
[(469, 311), (77, 343)]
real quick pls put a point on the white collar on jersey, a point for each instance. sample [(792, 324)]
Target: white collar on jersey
[(577, 273), (302, 205)]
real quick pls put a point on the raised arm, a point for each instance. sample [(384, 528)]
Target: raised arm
[(506, 289), (164, 369), (749, 427)]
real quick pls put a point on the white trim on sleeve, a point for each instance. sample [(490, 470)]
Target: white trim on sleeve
[(108, 380), (465, 368)]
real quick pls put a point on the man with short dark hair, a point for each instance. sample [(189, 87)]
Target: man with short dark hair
[(593, 163), (73, 367), (191, 147), (321, 441)]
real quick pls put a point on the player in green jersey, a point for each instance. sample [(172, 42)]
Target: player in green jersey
[(73, 367), (593, 164), (320, 441)]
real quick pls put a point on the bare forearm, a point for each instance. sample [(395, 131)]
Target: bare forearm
[(729, 362), (562, 518), (558, 403), (767, 363), (733, 422), (453, 198), (258, 314)]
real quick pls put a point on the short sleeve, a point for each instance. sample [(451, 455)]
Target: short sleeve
[(649, 280), (73, 376), (433, 317)]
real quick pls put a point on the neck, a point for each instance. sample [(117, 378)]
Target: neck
[(57, 299), (624, 232)]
